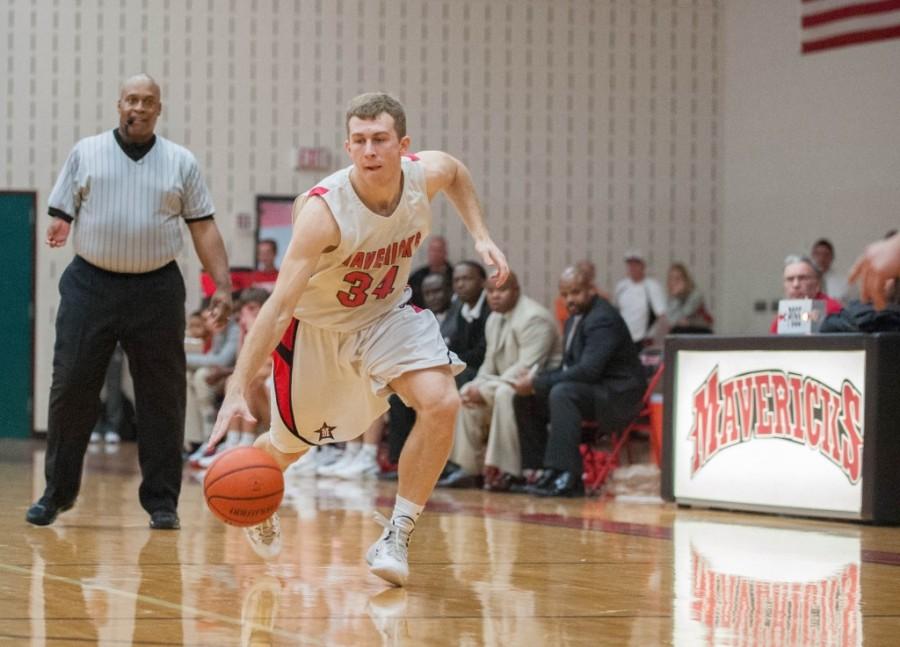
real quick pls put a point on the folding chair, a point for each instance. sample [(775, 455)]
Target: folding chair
[(598, 464)]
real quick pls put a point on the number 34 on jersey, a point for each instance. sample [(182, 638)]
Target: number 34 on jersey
[(359, 281)]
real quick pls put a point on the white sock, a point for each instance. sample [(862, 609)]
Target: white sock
[(369, 449), (232, 438), (406, 513)]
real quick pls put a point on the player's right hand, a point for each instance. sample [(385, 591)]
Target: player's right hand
[(492, 257), (57, 232), (233, 406)]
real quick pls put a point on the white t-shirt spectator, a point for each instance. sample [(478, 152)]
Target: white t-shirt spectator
[(635, 301)]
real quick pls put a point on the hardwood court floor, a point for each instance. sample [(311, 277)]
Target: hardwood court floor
[(487, 569)]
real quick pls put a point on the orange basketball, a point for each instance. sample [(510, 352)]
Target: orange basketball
[(243, 486)]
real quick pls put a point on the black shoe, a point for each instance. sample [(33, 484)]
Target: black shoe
[(566, 484), (164, 520), (543, 481), (449, 469), (43, 513), (459, 478), (505, 483)]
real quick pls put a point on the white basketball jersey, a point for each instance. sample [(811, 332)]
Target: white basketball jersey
[(366, 275)]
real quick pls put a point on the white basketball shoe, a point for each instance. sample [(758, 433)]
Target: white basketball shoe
[(388, 558), (265, 537), (364, 465)]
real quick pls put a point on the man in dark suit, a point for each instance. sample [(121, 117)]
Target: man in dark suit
[(601, 379)]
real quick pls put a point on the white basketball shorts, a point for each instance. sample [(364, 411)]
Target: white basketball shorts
[(329, 386)]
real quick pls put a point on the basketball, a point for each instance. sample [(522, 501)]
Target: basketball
[(243, 486)]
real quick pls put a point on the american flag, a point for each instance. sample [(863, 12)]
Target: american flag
[(837, 23)]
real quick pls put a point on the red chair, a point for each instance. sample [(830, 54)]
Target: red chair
[(599, 464)]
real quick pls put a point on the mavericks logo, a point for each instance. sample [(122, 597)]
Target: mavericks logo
[(774, 404)]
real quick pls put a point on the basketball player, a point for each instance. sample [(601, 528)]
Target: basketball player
[(347, 337)]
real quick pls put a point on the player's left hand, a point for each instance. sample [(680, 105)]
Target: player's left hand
[(492, 257)]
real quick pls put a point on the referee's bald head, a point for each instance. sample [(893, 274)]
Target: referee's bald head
[(139, 107), (142, 78)]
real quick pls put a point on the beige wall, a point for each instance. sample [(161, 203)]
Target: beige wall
[(589, 126), (810, 149)]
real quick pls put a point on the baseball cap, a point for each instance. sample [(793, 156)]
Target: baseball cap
[(634, 255)]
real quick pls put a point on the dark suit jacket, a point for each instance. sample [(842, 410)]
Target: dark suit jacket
[(603, 354), (466, 339)]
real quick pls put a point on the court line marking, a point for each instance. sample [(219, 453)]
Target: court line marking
[(185, 610)]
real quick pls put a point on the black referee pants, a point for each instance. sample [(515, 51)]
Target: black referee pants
[(145, 313)]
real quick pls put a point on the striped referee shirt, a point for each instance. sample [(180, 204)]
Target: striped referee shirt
[(127, 212)]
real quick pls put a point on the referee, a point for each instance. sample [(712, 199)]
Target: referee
[(124, 193)]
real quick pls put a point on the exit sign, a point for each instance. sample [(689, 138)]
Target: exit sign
[(313, 158)]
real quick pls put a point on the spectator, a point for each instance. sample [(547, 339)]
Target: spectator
[(466, 338), (463, 331), (521, 334), (641, 301), (436, 263), (437, 292), (206, 376), (266, 271), (126, 288), (601, 378), (112, 402), (833, 284), (801, 281), (560, 310), (244, 432), (685, 312)]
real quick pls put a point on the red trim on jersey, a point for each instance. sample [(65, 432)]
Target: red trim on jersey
[(283, 360), (317, 190), (411, 156)]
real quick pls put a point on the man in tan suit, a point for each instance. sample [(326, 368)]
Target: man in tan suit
[(521, 335)]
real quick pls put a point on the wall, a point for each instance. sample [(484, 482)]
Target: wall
[(589, 126), (810, 150)]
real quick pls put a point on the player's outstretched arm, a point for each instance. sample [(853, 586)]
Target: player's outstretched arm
[(315, 231), (879, 264), (445, 173)]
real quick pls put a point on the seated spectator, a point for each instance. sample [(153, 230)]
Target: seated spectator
[(833, 284), (521, 334), (249, 304), (801, 281), (601, 379), (437, 293), (466, 338), (266, 271), (560, 311), (206, 375), (436, 263), (641, 301), (685, 312), (463, 330)]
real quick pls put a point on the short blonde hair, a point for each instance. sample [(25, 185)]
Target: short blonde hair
[(371, 104)]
